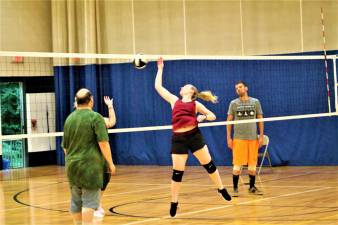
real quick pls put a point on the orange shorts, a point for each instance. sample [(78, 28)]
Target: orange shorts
[(245, 152)]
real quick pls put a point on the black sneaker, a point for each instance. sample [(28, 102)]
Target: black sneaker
[(255, 191), (225, 194), (235, 192), (173, 208)]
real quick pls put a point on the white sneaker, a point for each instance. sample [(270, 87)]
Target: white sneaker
[(99, 212)]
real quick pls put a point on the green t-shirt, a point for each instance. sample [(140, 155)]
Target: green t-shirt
[(83, 130)]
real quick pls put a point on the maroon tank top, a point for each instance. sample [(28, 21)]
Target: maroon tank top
[(184, 114)]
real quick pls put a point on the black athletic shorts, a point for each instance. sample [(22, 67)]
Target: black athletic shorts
[(191, 140)]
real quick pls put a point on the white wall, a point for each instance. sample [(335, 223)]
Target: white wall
[(25, 25), (37, 106), (29, 67)]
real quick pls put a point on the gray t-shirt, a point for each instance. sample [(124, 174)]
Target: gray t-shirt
[(244, 110)]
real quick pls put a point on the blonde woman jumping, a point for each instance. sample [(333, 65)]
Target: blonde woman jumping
[(186, 135)]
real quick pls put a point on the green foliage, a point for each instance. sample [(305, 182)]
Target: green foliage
[(10, 108), (14, 152)]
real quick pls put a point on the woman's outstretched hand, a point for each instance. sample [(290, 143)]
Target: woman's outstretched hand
[(160, 63)]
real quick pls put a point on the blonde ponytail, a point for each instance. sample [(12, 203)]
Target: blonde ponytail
[(207, 96)]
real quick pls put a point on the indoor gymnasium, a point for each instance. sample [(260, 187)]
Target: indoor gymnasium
[(168, 112)]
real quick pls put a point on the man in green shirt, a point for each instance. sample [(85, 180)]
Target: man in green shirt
[(86, 146)]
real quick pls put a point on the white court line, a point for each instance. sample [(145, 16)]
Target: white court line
[(295, 186), (282, 178), (162, 186), (166, 186), (230, 185), (227, 206)]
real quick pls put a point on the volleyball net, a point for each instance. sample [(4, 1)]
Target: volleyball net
[(289, 88)]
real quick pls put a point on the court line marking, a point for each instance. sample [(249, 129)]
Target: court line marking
[(230, 185), (56, 203), (120, 193), (162, 187), (194, 185), (150, 189), (296, 175), (227, 206)]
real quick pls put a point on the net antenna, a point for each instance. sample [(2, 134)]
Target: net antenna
[(325, 61), (335, 83)]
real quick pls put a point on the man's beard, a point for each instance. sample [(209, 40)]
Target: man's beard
[(241, 94)]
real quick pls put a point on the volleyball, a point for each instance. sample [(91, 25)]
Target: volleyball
[(140, 62)]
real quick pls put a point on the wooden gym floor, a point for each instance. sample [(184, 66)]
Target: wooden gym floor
[(141, 195)]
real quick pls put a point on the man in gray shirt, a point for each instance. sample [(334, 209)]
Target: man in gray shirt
[(245, 142)]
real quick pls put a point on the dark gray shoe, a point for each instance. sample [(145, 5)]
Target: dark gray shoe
[(255, 191)]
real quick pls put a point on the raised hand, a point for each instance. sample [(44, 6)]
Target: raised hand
[(108, 101), (160, 63)]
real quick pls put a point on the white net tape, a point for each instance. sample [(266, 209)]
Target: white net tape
[(168, 127), (154, 57)]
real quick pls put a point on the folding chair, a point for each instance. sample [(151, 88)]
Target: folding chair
[(264, 154)]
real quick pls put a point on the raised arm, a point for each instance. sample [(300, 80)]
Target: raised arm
[(206, 113), (164, 93), (111, 121)]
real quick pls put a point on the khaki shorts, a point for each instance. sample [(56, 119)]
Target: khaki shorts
[(84, 198)]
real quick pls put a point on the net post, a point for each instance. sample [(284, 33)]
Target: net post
[(335, 82)]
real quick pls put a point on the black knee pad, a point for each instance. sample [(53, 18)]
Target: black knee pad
[(210, 167), (177, 175)]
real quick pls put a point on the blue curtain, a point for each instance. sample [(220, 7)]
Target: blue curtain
[(283, 87)]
